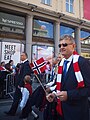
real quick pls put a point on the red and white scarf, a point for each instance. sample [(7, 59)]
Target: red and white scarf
[(78, 75)]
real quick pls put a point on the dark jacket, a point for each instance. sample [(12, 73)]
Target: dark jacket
[(76, 107), (25, 69)]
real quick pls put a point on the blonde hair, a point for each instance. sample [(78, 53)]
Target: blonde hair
[(27, 79), (59, 56)]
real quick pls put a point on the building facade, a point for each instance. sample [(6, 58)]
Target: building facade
[(35, 26)]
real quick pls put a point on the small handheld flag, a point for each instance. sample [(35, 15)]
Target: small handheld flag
[(38, 66)]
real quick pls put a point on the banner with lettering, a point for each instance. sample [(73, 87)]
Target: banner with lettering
[(10, 51)]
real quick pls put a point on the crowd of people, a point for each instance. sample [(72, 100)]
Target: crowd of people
[(5, 69), (66, 91)]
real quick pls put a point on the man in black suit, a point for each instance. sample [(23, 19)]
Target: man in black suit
[(73, 83), (24, 70)]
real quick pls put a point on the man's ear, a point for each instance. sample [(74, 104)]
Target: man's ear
[(74, 46)]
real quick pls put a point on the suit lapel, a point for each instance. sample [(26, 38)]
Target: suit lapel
[(65, 80)]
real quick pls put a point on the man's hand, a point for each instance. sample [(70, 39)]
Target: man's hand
[(19, 87), (48, 90), (50, 97), (62, 95)]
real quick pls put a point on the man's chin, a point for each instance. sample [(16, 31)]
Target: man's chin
[(63, 53)]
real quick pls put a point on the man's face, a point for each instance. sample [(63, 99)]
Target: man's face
[(66, 48), (59, 58), (54, 62), (23, 57), (12, 63)]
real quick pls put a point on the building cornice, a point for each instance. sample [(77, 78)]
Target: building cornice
[(28, 6), (50, 14)]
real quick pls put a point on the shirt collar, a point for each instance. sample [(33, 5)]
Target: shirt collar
[(70, 58), (24, 61)]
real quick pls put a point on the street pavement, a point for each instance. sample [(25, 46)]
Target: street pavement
[(5, 106)]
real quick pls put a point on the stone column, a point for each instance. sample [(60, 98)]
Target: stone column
[(29, 23), (77, 40), (56, 36)]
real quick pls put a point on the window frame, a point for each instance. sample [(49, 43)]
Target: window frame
[(46, 2), (70, 5), (51, 24)]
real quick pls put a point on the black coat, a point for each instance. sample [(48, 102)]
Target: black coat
[(76, 107), (25, 69)]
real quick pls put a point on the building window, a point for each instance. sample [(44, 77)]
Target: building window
[(69, 6), (67, 30), (38, 51), (47, 2), (43, 29)]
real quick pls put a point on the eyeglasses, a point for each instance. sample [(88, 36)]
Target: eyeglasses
[(64, 44)]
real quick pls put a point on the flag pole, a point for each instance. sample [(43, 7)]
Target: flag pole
[(40, 83)]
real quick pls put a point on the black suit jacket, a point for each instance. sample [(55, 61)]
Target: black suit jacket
[(25, 69), (76, 107)]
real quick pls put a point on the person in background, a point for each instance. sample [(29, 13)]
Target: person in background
[(59, 58), (16, 75), (2, 65), (49, 85), (24, 70), (3, 73), (73, 83), (26, 95), (55, 63), (38, 98), (47, 71), (9, 65)]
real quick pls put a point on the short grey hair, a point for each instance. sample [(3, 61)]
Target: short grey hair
[(67, 37)]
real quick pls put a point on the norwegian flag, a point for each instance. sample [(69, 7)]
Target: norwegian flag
[(38, 66)]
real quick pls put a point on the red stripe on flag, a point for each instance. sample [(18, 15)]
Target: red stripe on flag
[(39, 61), (42, 69), (31, 65), (35, 71)]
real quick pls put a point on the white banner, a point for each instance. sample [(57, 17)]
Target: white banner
[(10, 51)]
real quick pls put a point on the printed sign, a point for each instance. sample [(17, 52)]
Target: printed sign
[(11, 51)]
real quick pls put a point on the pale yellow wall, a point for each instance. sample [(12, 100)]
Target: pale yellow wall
[(76, 13), (60, 6), (82, 9), (53, 6)]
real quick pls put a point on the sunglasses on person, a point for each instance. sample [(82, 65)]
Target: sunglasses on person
[(64, 44)]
